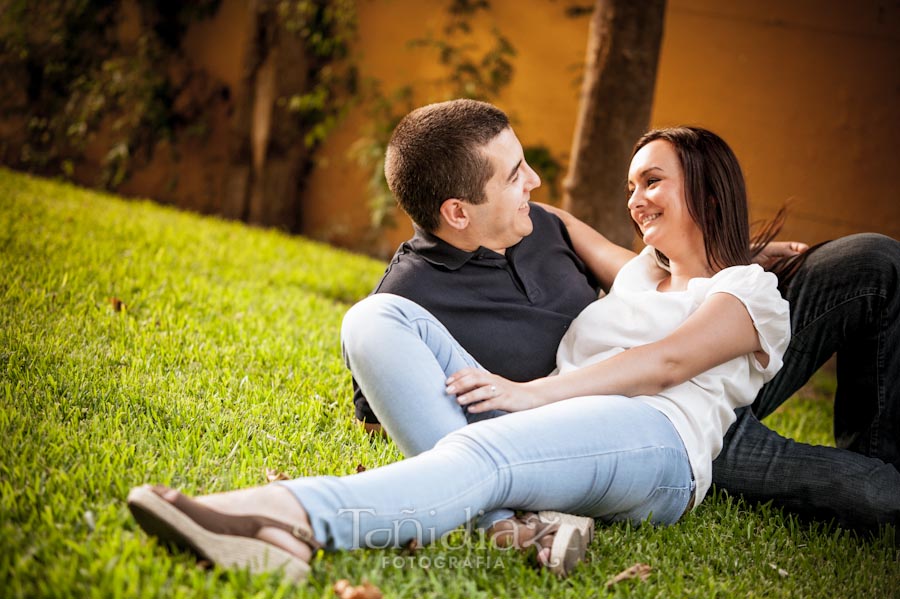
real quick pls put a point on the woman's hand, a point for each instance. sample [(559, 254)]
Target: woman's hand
[(480, 391)]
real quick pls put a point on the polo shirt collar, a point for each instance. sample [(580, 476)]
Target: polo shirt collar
[(437, 251)]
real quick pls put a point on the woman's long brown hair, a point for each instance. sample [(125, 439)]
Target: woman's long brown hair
[(716, 195)]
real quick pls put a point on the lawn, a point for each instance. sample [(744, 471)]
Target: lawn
[(141, 344)]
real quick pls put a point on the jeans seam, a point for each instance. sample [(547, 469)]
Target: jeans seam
[(874, 437), (861, 294), (463, 355), (872, 444), (587, 455)]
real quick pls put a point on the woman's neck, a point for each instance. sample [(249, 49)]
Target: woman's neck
[(683, 269)]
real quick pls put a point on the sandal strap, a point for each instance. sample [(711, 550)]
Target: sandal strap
[(526, 530), (229, 524)]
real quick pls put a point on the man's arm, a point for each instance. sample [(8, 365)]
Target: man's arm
[(775, 251), (604, 258)]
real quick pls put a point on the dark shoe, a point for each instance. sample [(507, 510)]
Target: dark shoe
[(223, 539)]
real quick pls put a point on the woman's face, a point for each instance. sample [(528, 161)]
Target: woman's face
[(656, 200)]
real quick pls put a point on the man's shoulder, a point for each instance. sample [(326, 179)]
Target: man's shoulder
[(548, 234), (546, 225), (406, 268), (544, 217)]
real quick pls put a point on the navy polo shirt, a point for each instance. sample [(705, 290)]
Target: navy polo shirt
[(509, 312)]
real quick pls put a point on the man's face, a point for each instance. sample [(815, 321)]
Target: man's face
[(502, 221)]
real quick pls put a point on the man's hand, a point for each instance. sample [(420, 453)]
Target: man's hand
[(481, 391), (776, 250)]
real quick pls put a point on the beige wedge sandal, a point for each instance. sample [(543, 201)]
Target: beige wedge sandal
[(226, 540), (561, 534)]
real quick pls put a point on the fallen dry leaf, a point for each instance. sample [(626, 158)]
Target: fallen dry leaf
[(641, 571), (344, 590), (340, 586), (360, 468), (117, 304), (272, 475)]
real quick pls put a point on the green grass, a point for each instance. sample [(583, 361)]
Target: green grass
[(225, 361)]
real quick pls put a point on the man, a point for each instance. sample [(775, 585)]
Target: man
[(490, 280)]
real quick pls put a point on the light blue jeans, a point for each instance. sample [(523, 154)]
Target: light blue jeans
[(400, 356), (611, 458)]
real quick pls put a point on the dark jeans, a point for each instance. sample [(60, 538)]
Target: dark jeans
[(845, 300)]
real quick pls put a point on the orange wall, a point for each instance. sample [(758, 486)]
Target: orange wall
[(806, 92), (220, 43)]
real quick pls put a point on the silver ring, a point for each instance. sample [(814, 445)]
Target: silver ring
[(493, 390)]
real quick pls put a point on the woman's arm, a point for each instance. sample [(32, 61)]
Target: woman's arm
[(604, 258), (720, 330)]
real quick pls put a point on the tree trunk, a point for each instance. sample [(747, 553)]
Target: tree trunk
[(268, 159), (616, 98)]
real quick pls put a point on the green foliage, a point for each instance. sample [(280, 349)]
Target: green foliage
[(171, 20), (470, 73), (51, 47), (83, 80), (542, 160), (384, 113), (80, 78), (327, 28), (139, 344)]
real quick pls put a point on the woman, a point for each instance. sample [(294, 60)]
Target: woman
[(650, 376)]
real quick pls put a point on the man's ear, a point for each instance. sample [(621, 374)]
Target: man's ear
[(454, 213)]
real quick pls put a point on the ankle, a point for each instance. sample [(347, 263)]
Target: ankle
[(519, 532)]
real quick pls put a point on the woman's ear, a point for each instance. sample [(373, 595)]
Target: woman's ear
[(454, 213)]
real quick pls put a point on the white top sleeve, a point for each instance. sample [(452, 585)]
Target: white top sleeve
[(758, 291), (634, 313)]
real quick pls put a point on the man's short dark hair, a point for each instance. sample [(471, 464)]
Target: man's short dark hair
[(435, 154)]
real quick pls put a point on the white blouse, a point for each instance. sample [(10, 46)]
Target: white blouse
[(635, 313)]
